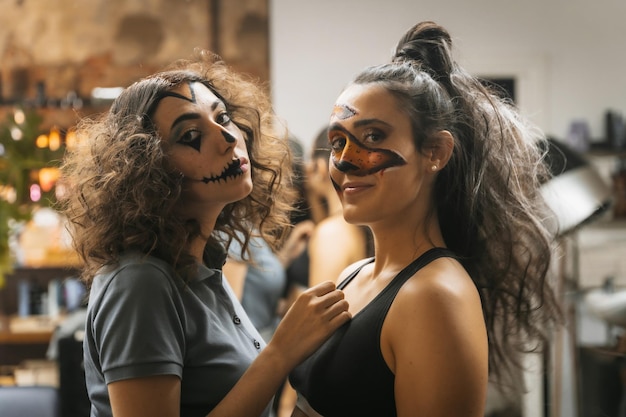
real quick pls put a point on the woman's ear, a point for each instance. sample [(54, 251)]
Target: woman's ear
[(440, 150)]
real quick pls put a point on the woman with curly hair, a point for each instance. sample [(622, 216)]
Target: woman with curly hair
[(446, 174), (184, 161)]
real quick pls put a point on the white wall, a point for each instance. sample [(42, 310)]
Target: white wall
[(569, 56)]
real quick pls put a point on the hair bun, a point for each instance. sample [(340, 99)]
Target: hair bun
[(428, 45)]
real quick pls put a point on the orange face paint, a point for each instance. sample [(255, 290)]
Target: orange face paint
[(350, 155), (343, 112)]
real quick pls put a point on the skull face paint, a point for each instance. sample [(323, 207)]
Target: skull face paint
[(209, 147), (350, 155)]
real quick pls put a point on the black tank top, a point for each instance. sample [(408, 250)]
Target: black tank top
[(347, 376)]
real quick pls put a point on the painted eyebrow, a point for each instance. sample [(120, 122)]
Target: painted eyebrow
[(192, 116)]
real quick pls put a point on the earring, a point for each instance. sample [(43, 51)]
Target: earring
[(433, 168)]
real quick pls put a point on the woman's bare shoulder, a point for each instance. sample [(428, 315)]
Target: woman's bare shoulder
[(444, 277), (443, 292)]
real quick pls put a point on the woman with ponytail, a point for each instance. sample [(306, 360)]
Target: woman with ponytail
[(446, 174)]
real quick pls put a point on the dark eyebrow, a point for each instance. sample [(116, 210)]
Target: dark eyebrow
[(365, 122), (192, 116), (336, 126), (183, 117), (358, 123)]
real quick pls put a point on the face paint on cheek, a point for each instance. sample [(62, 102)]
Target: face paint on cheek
[(229, 138), (195, 143), (358, 159)]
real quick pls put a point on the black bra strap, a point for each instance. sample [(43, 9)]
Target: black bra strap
[(354, 273)]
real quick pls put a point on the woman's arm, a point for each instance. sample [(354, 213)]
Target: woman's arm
[(315, 315), (440, 365), (150, 396)]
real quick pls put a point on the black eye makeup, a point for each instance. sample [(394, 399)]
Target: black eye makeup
[(223, 118), (191, 137)]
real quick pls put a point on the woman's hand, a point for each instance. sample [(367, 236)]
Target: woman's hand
[(313, 317)]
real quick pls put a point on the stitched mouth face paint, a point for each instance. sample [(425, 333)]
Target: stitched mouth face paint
[(196, 119), (233, 170)]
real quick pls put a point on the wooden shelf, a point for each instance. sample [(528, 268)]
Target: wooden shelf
[(25, 338), (27, 330), (41, 276)]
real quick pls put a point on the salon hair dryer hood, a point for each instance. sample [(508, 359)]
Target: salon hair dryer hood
[(609, 306), (576, 193)]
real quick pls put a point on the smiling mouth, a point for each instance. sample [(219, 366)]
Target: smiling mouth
[(233, 170)]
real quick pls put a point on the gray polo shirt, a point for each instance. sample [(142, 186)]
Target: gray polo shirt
[(141, 322)]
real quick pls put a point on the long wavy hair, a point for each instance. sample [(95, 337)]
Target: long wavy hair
[(121, 191), (487, 197)]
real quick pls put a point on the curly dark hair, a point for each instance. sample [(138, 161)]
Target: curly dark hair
[(121, 192), (487, 197)]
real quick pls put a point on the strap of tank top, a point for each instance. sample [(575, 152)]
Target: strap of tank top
[(423, 260)]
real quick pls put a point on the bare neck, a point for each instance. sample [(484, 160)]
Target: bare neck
[(398, 242)]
